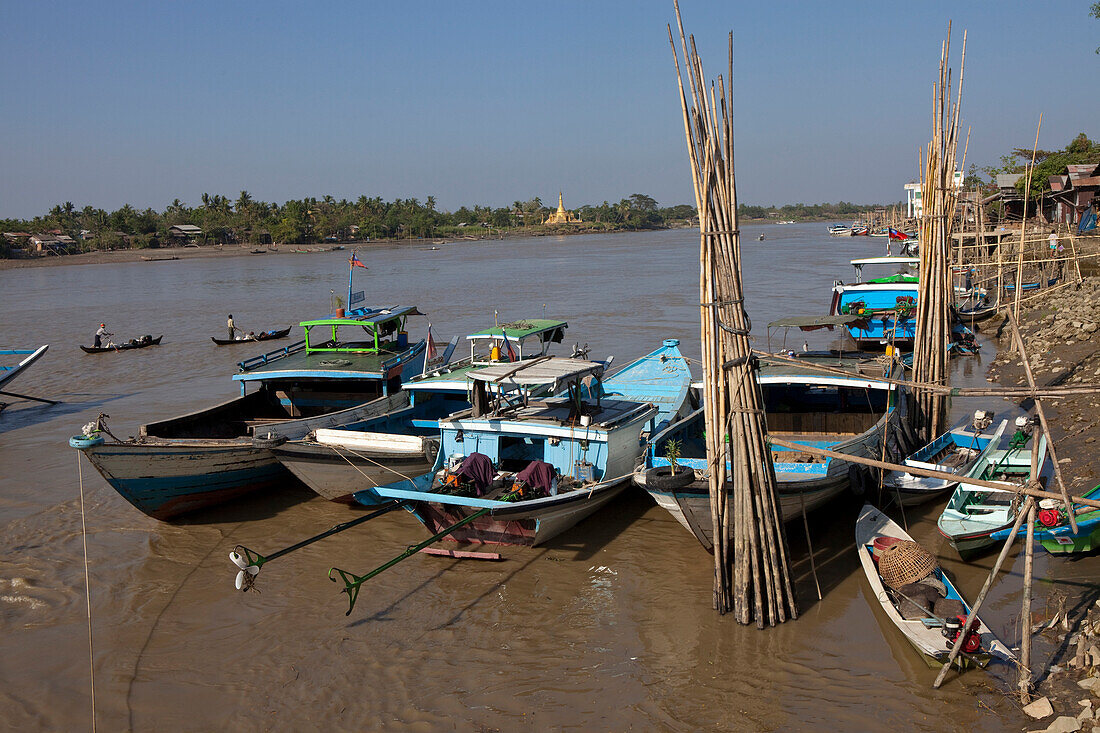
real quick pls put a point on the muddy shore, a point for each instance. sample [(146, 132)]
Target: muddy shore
[(1061, 332)]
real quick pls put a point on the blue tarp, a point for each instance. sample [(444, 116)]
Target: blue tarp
[(1088, 222)]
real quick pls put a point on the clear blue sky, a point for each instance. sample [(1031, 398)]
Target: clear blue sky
[(106, 103)]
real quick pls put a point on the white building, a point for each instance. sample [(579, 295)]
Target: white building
[(913, 205)]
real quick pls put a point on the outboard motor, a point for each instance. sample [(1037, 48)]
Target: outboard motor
[(952, 627)]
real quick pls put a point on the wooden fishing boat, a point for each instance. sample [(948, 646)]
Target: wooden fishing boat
[(956, 451), (583, 443), (347, 369), (846, 414), (404, 443), (138, 343), (262, 336), (30, 356), (925, 633), (887, 306), (975, 513), (1054, 532)]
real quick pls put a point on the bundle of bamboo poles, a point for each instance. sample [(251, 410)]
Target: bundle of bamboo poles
[(935, 295), (751, 578)]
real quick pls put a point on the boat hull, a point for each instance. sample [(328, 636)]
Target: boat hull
[(526, 523), (164, 481), (337, 474)]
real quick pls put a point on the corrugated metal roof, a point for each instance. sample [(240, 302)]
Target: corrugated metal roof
[(535, 372), (1008, 180)]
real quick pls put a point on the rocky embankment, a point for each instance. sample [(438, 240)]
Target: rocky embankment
[(1061, 332)]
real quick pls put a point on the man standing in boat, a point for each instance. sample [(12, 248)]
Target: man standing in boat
[(231, 326), (100, 334)]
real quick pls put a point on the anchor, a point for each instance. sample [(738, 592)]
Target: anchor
[(249, 561), (353, 582)]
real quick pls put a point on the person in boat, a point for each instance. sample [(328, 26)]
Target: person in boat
[(100, 334), (231, 326), (251, 336)]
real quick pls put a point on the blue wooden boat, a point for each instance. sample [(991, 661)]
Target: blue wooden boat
[(1054, 532), (346, 370), (956, 451), (587, 439), (886, 306), (975, 513), (846, 414), (404, 442)]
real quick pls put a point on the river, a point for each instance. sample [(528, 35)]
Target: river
[(608, 627)]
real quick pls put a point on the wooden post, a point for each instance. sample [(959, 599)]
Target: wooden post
[(1025, 606), (973, 615)]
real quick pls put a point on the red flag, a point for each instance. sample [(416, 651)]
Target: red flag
[(355, 262), (431, 343), (895, 234), (508, 345)]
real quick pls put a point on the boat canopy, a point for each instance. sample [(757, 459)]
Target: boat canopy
[(378, 323), (545, 331), (542, 372), (894, 260), (812, 323)]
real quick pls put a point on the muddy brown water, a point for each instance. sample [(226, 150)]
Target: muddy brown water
[(609, 627)]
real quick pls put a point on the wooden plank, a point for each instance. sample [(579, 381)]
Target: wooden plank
[(462, 554)]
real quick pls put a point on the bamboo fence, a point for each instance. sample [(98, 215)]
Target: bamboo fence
[(752, 577)]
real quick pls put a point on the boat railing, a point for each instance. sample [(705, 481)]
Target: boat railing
[(262, 359)]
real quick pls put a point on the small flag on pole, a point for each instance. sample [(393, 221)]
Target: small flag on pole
[(355, 261), (431, 343), (895, 234)]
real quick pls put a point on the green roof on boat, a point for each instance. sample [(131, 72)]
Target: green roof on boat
[(899, 278), (518, 330)]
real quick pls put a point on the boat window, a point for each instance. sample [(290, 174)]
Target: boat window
[(517, 452)]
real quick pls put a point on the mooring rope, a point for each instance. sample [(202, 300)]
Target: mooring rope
[(87, 585)]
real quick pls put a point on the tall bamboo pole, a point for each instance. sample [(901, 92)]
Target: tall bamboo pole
[(935, 291), (751, 567)]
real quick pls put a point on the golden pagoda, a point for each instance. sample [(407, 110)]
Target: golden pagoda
[(561, 216)]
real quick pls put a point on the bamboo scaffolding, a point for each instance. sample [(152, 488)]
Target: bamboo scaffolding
[(752, 577)]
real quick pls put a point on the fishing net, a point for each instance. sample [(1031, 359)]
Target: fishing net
[(904, 563)]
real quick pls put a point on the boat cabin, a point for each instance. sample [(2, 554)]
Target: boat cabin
[(378, 330), (899, 266), (515, 341), (575, 431)]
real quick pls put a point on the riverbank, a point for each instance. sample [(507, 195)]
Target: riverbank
[(1061, 333)]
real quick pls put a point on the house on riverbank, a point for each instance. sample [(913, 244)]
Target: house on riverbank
[(1073, 193)]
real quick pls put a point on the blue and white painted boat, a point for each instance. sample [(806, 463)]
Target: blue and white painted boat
[(404, 443), (956, 451), (846, 414), (590, 436), (975, 513), (886, 305), (347, 369)]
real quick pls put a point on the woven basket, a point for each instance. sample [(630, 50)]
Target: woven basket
[(905, 563)]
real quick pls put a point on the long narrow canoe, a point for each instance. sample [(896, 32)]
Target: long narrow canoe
[(925, 634), (122, 347), (263, 336)]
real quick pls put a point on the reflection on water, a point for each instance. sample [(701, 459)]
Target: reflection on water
[(608, 627)]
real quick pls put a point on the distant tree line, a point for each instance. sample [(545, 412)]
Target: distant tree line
[(312, 220), (803, 212)]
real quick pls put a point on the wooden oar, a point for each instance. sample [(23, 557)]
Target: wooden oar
[(352, 582)]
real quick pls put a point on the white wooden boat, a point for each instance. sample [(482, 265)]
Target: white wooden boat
[(925, 634), (956, 451)]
